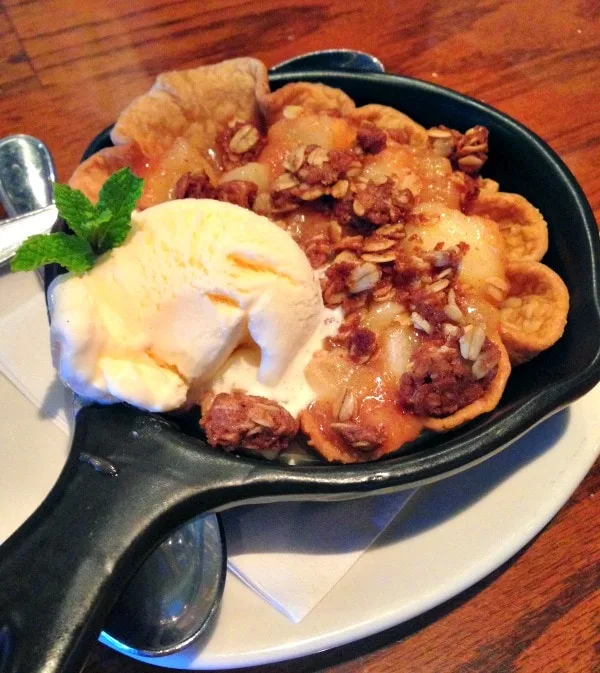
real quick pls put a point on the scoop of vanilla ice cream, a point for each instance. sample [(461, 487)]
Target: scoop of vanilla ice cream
[(195, 280)]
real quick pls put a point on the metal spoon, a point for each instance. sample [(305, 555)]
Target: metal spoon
[(173, 597), (26, 176)]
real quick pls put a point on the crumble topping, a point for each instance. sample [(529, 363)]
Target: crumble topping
[(366, 262), (442, 380), (239, 143), (467, 152), (312, 172), (370, 138), (198, 186), (235, 420), (360, 437)]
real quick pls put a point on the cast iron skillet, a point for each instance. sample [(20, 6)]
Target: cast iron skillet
[(132, 477)]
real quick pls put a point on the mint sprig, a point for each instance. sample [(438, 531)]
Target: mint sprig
[(118, 196), (74, 253), (96, 228)]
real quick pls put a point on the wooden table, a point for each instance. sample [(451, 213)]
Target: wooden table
[(68, 66)]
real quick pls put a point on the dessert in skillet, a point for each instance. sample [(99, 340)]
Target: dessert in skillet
[(300, 264)]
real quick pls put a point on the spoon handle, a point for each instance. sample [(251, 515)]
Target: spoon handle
[(16, 229), (130, 479), (26, 174)]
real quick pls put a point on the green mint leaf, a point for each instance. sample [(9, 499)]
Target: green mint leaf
[(76, 210), (72, 252), (102, 217), (97, 228), (119, 194), (96, 225)]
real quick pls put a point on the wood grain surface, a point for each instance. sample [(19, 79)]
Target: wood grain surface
[(67, 67)]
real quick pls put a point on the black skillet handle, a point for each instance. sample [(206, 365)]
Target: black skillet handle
[(129, 481), (346, 60)]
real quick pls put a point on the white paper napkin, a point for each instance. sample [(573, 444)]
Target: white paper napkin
[(26, 361), (291, 554)]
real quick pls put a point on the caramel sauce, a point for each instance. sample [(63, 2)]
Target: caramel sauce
[(418, 169), (378, 408), (377, 394), (141, 164), (331, 133), (316, 422), (481, 311), (161, 173), (306, 222)]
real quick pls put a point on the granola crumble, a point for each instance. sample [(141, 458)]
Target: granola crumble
[(239, 143), (237, 420)]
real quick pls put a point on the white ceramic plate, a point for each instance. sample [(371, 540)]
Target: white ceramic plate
[(451, 534)]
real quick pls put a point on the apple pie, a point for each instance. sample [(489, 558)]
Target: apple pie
[(436, 272)]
